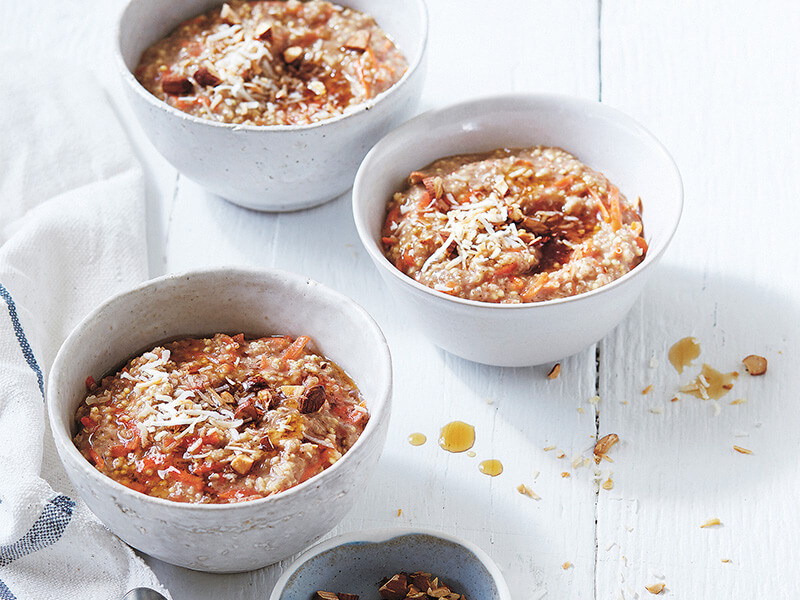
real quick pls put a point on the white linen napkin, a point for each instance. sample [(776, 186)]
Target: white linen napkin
[(72, 232)]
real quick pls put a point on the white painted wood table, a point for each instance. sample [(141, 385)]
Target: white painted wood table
[(718, 82)]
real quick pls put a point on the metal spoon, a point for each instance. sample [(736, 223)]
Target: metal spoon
[(142, 593)]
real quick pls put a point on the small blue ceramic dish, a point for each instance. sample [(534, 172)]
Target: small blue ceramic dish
[(356, 563)]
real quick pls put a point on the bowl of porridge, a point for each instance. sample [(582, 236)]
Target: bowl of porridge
[(226, 419), (271, 104), (524, 227)]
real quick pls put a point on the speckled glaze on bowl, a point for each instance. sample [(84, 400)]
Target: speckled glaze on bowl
[(245, 535), (356, 562), (601, 137), (275, 168)]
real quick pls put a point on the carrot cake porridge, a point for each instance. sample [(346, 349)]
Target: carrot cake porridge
[(222, 419), (512, 226), (272, 62)]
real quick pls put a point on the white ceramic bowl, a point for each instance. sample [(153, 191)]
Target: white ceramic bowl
[(224, 537), (355, 562), (276, 168), (603, 138)]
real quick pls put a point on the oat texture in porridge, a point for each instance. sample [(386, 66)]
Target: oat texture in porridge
[(512, 226), (272, 62), (220, 420)]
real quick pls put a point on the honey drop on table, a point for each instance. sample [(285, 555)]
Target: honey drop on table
[(683, 352), (417, 439), (491, 467), (457, 436)]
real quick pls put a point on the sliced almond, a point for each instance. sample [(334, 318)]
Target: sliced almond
[(656, 588), (526, 491), (755, 365), (711, 523), (741, 450)]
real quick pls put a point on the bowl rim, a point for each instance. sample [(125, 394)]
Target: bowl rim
[(381, 536), (483, 104), (382, 404), (137, 88)]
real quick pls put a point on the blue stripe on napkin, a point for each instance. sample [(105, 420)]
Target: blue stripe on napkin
[(27, 352), (47, 530), (5, 593)]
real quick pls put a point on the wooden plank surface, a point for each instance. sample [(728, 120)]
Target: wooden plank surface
[(718, 84)]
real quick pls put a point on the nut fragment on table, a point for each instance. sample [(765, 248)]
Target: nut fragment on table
[(755, 365), (555, 371), (656, 588), (603, 445)]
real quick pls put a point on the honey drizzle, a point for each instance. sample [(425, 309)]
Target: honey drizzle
[(417, 439), (491, 467), (683, 352), (457, 436)]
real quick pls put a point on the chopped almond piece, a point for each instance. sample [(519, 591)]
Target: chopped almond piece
[(566, 565), (603, 445), (608, 484), (395, 589), (292, 53), (741, 450), (755, 365), (711, 523), (263, 32), (241, 464), (555, 371), (176, 86), (358, 41), (526, 491), (656, 588), (647, 390), (565, 474), (230, 16), (207, 77)]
